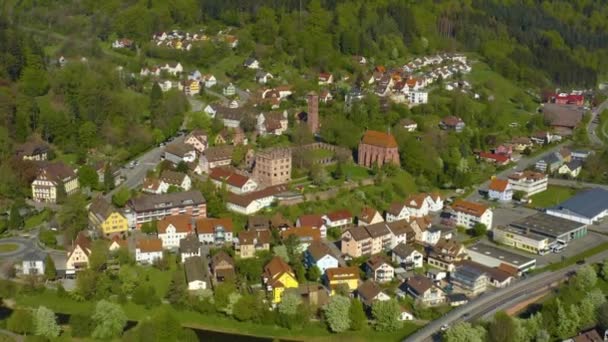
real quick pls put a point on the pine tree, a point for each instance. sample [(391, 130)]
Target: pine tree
[(49, 268), (177, 289), (108, 178), (357, 315), (15, 221)]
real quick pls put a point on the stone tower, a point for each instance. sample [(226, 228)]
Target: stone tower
[(313, 112)]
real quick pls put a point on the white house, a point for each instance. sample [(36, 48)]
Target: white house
[(251, 63), (33, 263), (172, 229), (148, 250), (234, 182), (326, 78), (379, 269), (470, 213), (173, 69), (397, 211), (338, 219), (407, 256), (500, 190), (435, 202), (178, 152), (431, 236), (210, 110), (189, 247), (209, 81), (418, 97), (262, 77), (177, 179), (196, 273), (417, 205), (571, 169), (213, 231), (165, 85), (404, 315), (253, 202)]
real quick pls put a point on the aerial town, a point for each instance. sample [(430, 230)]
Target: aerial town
[(230, 180)]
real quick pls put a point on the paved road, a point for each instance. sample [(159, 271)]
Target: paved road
[(522, 164), (147, 161), (592, 127), (489, 303)]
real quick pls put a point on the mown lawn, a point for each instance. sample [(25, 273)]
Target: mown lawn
[(38, 219), (552, 196)]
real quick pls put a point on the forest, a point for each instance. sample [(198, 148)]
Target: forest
[(98, 109)]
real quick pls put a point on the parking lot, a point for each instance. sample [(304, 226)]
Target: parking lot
[(507, 213)]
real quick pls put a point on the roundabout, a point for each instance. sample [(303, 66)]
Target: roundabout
[(15, 247)]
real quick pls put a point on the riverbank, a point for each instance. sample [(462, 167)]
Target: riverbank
[(315, 331)]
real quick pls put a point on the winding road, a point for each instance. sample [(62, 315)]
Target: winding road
[(592, 126)]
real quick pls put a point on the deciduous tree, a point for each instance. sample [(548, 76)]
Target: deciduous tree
[(585, 278), (50, 272), (464, 331), (109, 320), (336, 313), (386, 313), (501, 328), (45, 323), (21, 322)]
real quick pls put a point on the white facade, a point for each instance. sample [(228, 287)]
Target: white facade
[(253, 206), (32, 267), (171, 237), (415, 258), (197, 285), (528, 185), (404, 214), (418, 97), (211, 238), (418, 212), (249, 186), (468, 220), (406, 316), (431, 237), (147, 257), (503, 196), (435, 202)]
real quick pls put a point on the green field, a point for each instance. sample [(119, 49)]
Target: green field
[(8, 247), (552, 196)]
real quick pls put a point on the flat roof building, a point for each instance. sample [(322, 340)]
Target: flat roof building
[(491, 256)]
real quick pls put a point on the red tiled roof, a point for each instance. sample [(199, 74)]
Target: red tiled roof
[(472, 208), (150, 245), (339, 215), (499, 185), (230, 177), (340, 273), (311, 220), (380, 139), (182, 224), (451, 120), (208, 225), (311, 233), (501, 158)]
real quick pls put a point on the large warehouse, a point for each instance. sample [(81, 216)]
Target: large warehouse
[(535, 233), (492, 256), (585, 207)]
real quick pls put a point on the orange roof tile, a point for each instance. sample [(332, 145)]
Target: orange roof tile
[(377, 138), (499, 185), (150, 245), (182, 224), (471, 208)]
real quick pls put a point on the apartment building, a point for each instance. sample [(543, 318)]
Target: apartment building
[(470, 213), (146, 208), (529, 182), (366, 240)]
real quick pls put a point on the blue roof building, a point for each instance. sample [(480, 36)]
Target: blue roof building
[(585, 207)]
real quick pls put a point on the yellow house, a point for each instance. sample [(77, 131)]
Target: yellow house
[(336, 276), (277, 277), (106, 218), (78, 256)]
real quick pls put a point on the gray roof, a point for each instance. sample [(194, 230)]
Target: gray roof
[(468, 272), (574, 164), (195, 269), (190, 244), (172, 200), (34, 256), (403, 250), (551, 158), (547, 225), (588, 203), (505, 256)]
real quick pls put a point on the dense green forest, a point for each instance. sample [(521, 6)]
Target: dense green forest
[(98, 109)]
